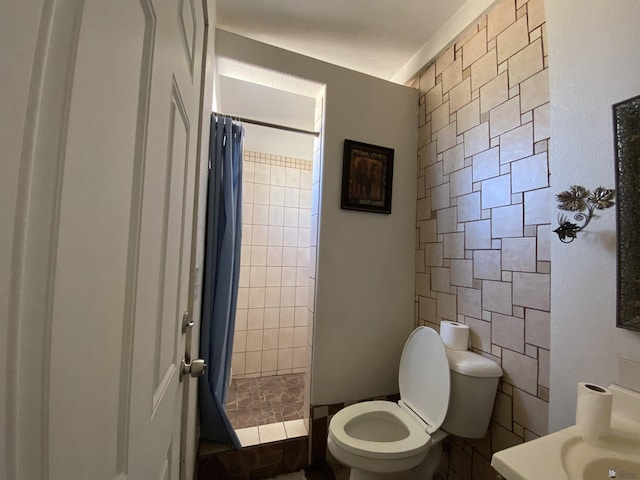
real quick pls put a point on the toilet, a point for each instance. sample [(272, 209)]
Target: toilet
[(442, 391)]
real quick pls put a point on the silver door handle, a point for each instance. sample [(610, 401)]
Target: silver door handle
[(193, 368)]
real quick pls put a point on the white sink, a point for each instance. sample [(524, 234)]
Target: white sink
[(614, 456), (564, 455)]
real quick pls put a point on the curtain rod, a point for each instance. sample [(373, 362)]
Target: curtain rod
[(270, 125)]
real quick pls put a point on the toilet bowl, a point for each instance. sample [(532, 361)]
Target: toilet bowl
[(386, 440)]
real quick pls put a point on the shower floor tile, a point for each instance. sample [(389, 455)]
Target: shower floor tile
[(252, 402)]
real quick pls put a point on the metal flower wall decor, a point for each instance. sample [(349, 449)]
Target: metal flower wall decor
[(579, 199)]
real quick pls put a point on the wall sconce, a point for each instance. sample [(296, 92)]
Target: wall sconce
[(578, 199)]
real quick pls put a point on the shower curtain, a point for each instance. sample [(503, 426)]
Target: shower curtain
[(221, 274)]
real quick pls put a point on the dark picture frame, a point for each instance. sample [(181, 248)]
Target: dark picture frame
[(626, 118), (367, 177)]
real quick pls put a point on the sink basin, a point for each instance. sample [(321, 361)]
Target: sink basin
[(611, 468), (616, 455), (563, 455)]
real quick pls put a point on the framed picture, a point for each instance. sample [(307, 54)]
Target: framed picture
[(626, 117), (367, 177)]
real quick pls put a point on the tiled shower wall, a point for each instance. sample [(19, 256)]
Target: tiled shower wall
[(271, 320), (483, 218)]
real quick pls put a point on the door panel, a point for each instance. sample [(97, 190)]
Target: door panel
[(122, 256)]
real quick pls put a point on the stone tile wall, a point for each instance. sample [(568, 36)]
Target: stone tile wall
[(483, 219)]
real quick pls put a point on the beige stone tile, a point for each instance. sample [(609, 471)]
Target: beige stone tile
[(474, 48), (480, 333), (496, 297), (520, 371), (544, 242), (433, 175), (536, 14), (454, 245), (424, 134), (530, 173), (440, 279), (519, 254), (537, 328), (423, 284), (502, 438), (476, 140), (503, 15), (469, 207), (423, 211), (420, 260), (452, 75), (427, 230), (470, 302), (537, 206), (494, 93), (486, 264), (428, 79), (508, 332), (507, 221), (446, 137), (466, 36), (477, 235), (433, 255), (516, 143), (486, 164), (460, 95), (496, 192), (543, 367), (427, 309), (513, 39), (446, 306), (453, 159), (433, 98), (502, 410), (440, 197), (272, 432), (461, 272), (525, 63), (531, 412), (444, 60), (447, 220), (545, 49), (428, 155), (534, 91), (504, 117), (531, 290), (439, 117), (460, 182), (468, 116), (541, 124), (484, 70)]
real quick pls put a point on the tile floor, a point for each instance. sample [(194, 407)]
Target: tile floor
[(267, 409)]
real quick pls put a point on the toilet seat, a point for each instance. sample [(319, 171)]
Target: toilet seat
[(415, 442)]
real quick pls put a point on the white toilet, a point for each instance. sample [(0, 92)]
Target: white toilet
[(441, 391)]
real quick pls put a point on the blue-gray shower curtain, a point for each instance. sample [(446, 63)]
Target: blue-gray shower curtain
[(221, 275)]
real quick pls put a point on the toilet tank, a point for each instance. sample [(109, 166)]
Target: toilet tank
[(474, 382)]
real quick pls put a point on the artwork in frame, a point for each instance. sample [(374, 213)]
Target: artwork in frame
[(626, 117), (367, 177)]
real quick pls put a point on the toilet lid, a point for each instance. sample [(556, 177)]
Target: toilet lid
[(424, 377)]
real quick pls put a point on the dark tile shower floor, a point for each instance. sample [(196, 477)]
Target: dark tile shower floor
[(260, 401)]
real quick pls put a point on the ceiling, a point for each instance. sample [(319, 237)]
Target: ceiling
[(382, 38)]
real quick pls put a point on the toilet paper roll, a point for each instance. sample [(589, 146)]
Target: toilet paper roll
[(455, 336), (593, 411)]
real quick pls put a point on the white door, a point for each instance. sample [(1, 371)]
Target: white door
[(105, 217)]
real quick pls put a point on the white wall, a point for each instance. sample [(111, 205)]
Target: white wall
[(365, 280), (250, 100), (593, 61)]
